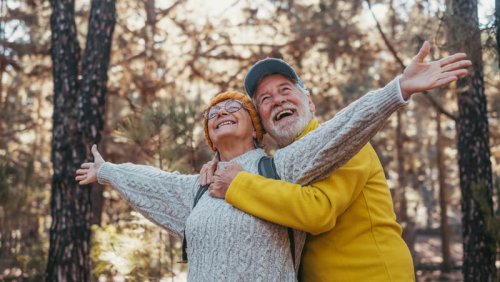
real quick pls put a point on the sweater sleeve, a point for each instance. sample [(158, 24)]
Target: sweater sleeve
[(163, 197), (333, 143)]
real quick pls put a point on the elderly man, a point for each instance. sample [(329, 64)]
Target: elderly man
[(353, 232)]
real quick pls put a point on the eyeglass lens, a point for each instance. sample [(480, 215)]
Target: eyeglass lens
[(230, 106)]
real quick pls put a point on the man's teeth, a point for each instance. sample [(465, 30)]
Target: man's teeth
[(224, 123), (283, 114)]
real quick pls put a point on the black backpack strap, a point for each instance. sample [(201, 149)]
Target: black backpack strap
[(197, 197), (267, 168)]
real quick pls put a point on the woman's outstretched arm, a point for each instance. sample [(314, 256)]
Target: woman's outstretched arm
[(163, 197)]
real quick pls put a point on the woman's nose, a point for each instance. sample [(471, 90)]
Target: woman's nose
[(222, 112)]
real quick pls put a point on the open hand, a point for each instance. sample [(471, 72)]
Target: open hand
[(88, 171), (420, 76)]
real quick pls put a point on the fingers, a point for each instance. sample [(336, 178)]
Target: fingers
[(84, 182), (203, 176), (97, 155), (86, 165), (80, 177), (445, 81), (81, 171), (207, 172), (451, 59), (83, 179), (216, 191), (424, 51), (457, 73), (211, 169), (457, 65)]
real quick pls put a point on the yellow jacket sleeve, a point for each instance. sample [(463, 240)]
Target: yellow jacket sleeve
[(313, 208)]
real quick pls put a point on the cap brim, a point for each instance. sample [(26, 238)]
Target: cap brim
[(267, 67)]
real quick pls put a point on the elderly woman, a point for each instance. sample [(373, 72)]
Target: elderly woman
[(224, 243)]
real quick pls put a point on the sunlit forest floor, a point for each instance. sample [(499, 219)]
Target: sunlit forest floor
[(428, 257)]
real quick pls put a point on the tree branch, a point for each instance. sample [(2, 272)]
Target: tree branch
[(403, 66), (384, 37), (438, 106)]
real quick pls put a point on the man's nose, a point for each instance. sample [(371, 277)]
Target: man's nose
[(278, 99)]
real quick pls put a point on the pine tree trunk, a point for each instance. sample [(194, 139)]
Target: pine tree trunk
[(69, 231), (92, 98), (497, 24), (77, 121), (473, 148)]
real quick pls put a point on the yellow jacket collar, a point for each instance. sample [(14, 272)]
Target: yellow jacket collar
[(313, 124)]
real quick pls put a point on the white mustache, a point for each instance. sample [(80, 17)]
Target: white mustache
[(282, 107)]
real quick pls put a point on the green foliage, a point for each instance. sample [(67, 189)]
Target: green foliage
[(132, 248), (21, 239), (33, 259), (164, 130)]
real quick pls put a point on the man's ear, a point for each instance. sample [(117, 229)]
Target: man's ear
[(310, 102)]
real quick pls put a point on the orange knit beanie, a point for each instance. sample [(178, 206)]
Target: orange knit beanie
[(247, 104)]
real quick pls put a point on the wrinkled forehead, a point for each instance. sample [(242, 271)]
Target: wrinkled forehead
[(272, 80)]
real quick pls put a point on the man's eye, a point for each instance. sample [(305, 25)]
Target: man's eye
[(264, 99)]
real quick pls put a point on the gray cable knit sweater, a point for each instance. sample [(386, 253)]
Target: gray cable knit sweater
[(226, 244)]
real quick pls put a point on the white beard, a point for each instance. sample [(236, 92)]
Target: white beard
[(286, 132)]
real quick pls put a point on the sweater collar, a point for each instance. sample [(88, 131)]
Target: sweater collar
[(313, 124), (245, 160)]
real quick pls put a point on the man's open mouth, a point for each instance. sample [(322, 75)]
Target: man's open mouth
[(283, 114)]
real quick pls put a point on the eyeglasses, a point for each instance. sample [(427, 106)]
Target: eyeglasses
[(231, 106)]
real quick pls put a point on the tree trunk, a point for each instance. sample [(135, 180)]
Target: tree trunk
[(69, 231), (443, 199), (92, 98), (473, 148), (77, 121), (497, 24)]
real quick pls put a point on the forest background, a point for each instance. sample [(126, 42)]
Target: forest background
[(166, 59)]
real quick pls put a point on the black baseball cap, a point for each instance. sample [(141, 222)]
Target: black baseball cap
[(266, 67)]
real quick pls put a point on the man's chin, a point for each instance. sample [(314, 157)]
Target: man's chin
[(286, 130), (286, 122), (285, 133)]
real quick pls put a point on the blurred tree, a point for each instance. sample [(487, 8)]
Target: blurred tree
[(23, 139), (443, 197), (473, 147), (497, 24), (74, 128)]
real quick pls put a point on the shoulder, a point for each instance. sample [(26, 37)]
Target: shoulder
[(365, 156)]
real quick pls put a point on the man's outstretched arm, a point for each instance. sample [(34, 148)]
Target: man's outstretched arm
[(312, 208)]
